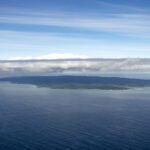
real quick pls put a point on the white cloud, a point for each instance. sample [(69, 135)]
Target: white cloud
[(52, 56), (9, 68)]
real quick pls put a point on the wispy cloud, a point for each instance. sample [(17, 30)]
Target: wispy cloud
[(107, 30), (122, 7), (130, 24), (125, 24)]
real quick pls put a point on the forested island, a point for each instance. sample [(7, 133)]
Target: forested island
[(79, 82)]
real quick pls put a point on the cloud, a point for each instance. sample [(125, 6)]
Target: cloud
[(128, 19), (122, 21), (52, 56), (130, 24), (122, 7), (30, 67)]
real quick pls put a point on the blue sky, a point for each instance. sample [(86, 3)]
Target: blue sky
[(96, 28)]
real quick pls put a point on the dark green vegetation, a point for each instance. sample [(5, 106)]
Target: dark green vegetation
[(80, 82)]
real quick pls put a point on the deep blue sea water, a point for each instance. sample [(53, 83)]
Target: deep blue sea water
[(46, 119)]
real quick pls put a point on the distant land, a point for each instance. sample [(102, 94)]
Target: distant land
[(79, 82)]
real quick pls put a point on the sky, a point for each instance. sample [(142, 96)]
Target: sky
[(74, 28)]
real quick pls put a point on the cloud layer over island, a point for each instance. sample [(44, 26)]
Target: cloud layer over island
[(44, 67)]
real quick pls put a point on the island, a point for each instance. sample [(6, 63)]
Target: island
[(79, 82)]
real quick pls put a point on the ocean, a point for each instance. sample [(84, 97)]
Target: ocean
[(34, 118)]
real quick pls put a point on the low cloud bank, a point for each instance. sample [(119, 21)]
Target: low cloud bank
[(32, 67)]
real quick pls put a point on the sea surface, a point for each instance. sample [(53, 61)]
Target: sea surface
[(34, 118)]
